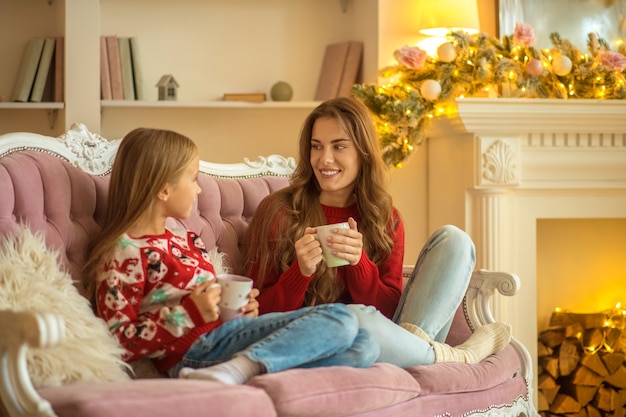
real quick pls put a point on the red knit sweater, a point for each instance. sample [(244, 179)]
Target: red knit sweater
[(364, 283), (143, 295)]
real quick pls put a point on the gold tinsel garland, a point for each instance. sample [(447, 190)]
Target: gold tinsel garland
[(481, 65)]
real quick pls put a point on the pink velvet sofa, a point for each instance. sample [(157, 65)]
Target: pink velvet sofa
[(58, 186)]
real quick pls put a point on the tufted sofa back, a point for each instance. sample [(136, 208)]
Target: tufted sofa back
[(67, 204)]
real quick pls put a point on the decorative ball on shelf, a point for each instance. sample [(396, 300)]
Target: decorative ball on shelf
[(561, 65), (446, 52), (534, 67), (430, 90), (281, 91)]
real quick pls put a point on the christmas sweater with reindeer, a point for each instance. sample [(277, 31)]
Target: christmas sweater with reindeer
[(143, 295)]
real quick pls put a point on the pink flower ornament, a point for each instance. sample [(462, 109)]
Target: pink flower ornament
[(411, 57), (524, 35), (612, 60)]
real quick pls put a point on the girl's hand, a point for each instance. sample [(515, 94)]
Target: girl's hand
[(206, 296), (252, 308), (347, 243), (308, 252)]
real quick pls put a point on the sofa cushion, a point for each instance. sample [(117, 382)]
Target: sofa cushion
[(337, 391), (158, 398), (30, 280), (441, 378)]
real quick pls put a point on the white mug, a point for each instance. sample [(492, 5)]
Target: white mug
[(235, 290), (322, 235)]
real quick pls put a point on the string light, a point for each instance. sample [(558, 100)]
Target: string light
[(400, 112)]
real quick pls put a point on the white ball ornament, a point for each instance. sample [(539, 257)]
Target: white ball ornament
[(561, 65), (446, 52), (430, 90)]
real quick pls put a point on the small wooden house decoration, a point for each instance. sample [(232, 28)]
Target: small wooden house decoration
[(168, 87)]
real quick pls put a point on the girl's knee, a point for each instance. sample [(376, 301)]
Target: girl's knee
[(345, 316)]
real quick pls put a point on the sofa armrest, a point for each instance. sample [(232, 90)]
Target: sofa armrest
[(18, 332), (477, 307)]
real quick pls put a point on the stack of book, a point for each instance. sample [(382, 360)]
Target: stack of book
[(120, 70), (40, 76)]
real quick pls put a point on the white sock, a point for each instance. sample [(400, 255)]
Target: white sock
[(233, 372), (485, 341)]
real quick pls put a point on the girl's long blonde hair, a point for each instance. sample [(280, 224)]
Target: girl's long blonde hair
[(298, 205), (147, 160)]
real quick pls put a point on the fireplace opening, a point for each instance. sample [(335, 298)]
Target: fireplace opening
[(581, 300)]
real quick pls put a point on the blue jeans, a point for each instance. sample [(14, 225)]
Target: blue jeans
[(324, 335), (429, 300)]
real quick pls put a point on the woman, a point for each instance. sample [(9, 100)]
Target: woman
[(340, 176), (156, 290)]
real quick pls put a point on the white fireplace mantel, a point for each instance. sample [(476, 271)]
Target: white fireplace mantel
[(499, 165)]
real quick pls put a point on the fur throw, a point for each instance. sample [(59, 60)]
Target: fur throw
[(31, 280)]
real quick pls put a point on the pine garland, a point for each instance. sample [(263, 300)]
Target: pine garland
[(480, 65)]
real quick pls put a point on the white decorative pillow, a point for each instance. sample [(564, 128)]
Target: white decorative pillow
[(31, 280)]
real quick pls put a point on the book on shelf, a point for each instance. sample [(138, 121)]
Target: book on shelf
[(43, 70), (59, 69), (350, 75), (27, 70), (105, 75), (340, 68), (252, 97), (115, 68), (137, 71), (126, 65)]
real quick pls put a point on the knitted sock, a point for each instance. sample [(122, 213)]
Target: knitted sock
[(486, 340), (233, 372)]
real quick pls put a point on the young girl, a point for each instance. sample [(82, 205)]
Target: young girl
[(155, 287), (340, 176)]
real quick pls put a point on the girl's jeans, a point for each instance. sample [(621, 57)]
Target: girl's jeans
[(324, 335), (429, 300)]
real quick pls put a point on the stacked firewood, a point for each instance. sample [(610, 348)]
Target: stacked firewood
[(582, 369)]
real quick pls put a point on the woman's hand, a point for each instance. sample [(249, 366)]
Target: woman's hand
[(308, 252), (347, 243), (252, 308), (206, 296)]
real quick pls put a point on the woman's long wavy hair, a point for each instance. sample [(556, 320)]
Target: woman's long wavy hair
[(298, 205), (147, 160)]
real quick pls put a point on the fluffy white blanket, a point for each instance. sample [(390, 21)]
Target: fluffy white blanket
[(31, 280)]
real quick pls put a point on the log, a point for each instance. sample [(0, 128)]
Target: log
[(574, 330), (618, 378), (552, 337), (548, 386), (587, 320), (594, 362), (568, 356), (583, 376), (592, 340), (612, 338), (605, 399), (613, 360), (543, 350), (593, 411), (581, 393), (564, 404), (550, 365)]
